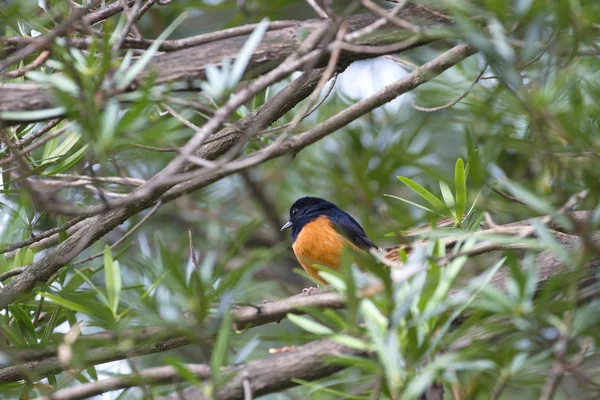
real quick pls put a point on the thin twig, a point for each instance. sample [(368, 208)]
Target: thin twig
[(118, 180), (401, 61), (557, 370), (39, 60), (145, 8), (383, 49), (455, 101), (306, 115), (192, 252), (327, 74), (375, 25), (401, 23), (42, 235), (505, 195), (131, 17), (192, 104), (317, 8), (40, 132), (33, 146), (158, 149), (247, 386), (13, 272)]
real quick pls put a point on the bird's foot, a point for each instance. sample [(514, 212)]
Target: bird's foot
[(309, 290)]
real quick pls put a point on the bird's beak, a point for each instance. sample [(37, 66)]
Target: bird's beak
[(287, 225)]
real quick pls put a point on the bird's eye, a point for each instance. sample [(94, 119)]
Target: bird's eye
[(294, 212)]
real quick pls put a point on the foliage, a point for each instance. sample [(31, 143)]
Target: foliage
[(527, 128)]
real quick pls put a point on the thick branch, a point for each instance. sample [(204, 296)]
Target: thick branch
[(294, 144), (99, 355), (158, 375), (272, 374), (190, 63), (267, 375)]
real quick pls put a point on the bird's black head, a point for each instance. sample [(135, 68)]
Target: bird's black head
[(307, 209)]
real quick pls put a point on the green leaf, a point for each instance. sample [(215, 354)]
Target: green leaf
[(531, 199), (123, 395), (448, 198), (309, 325), (412, 203), (71, 305), (84, 275), (460, 182), (27, 257), (553, 244), (334, 280), (585, 317), (60, 82), (182, 370), (246, 53), (110, 120), (33, 115), (476, 286), (245, 351), (49, 148), (112, 271), (537, 202), (350, 341), (219, 354), (91, 370), (424, 193), (52, 151), (371, 313), (139, 66), (67, 163), (25, 322)]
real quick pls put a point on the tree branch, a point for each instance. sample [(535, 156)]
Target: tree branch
[(267, 375), (95, 356), (189, 63)]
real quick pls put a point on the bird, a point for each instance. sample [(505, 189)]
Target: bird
[(320, 230)]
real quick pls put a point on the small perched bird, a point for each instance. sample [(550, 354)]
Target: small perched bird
[(320, 230)]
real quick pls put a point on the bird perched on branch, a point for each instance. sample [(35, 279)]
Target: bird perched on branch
[(320, 230)]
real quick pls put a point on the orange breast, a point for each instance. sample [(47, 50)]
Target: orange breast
[(319, 243)]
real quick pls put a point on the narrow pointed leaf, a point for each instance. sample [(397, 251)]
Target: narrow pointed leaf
[(460, 182), (424, 193)]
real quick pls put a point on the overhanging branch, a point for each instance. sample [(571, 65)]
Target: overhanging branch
[(190, 63)]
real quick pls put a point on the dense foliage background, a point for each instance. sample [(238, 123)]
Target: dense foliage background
[(96, 285)]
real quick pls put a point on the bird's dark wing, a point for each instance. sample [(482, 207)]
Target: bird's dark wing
[(349, 228)]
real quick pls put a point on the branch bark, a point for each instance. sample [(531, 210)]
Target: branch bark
[(44, 268), (190, 63), (267, 375), (100, 355)]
